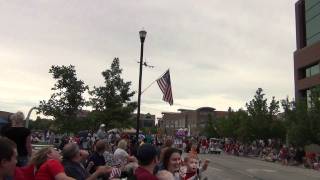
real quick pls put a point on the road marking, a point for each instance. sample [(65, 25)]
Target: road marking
[(269, 170), (263, 170)]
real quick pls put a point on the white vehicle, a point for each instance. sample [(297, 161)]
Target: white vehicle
[(214, 146)]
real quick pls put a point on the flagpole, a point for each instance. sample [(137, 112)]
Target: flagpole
[(153, 82)]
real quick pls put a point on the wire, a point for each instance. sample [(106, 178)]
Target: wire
[(148, 86), (152, 83)]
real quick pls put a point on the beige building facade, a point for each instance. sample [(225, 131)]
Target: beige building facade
[(193, 120)]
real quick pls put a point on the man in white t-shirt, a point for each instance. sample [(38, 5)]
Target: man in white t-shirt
[(101, 134)]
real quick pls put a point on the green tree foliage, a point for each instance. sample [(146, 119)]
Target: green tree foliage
[(67, 99), (277, 126), (264, 118), (302, 119), (314, 114), (210, 129), (111, 102), (258, 112), (235, 125), (229, 124), (41, 124), (243, 131), (259, 121)]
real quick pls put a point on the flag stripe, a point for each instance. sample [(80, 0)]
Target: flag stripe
[(162, 85), (165, 86)]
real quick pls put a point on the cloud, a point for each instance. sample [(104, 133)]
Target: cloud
[(218, 52)]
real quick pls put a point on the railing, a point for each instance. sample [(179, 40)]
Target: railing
[(40, 146)]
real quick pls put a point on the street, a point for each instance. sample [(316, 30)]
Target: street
[(228, 167)]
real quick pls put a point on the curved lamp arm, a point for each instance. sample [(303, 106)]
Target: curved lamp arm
[(28, 116)]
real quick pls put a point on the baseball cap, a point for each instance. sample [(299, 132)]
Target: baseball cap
[(102, 125)]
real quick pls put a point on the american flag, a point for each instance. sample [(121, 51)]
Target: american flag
[(115, 173), (165, 85)]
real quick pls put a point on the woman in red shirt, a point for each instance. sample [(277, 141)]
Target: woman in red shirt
[(45, 165), (48, 164)]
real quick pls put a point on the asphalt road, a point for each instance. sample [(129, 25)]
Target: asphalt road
[(227, 167)]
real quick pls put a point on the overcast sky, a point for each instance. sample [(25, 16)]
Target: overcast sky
[(219, 52)]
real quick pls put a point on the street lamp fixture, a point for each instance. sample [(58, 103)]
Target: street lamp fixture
[(142, 35)]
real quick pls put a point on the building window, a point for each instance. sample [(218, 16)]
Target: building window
[(313, 70), (308, 95), (177, 123), (312, 15), (183, 123), (308, 72), (309, 98)]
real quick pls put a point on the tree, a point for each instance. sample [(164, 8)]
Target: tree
[(277, 127), (210, 129), (302, 119), (314, 114), (41, 124), (273, 109), (228, 125), (264, 118), (67, 99), (111, 102), (258, 112), (259, 121), (244, 130), (297, 121)]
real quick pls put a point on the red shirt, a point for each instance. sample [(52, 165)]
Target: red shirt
[(189, 175), (310, 155), (49, 170), (24, 173), (203, 142), (143, 174)]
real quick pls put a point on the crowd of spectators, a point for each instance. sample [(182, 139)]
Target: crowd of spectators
[(111, 156), (274, 151)]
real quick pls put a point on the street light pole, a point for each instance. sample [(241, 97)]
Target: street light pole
[(28, 116), (142, 35)]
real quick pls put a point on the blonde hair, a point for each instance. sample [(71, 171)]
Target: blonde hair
[(40, 157), (165, 175), (17, 118), (122, 144)]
